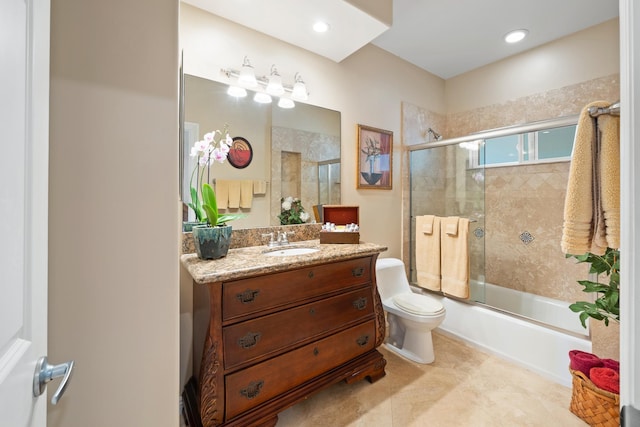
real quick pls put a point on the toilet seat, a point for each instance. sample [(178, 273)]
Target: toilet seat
[(421, 305)]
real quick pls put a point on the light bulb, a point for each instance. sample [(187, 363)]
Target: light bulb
[(237, 91), (262, 98), (286, 103)]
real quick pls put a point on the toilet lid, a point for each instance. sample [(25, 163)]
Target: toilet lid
[(418, 304)]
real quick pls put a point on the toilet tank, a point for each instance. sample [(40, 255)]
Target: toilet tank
[(391, 277)]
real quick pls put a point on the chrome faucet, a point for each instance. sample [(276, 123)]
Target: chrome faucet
[(279, 239)]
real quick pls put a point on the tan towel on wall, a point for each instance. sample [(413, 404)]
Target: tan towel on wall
[(246, 193), (234, 193), (259, 187), (609, 128), (454, 257), (428, 252), (578, 224), (222, 193)]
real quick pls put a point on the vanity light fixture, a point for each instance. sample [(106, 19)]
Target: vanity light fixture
[(299, 88), (274, 87), (265, 86), (247, 75), (515, 36)]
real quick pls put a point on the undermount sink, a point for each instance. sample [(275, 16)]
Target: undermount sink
[(292, 251)]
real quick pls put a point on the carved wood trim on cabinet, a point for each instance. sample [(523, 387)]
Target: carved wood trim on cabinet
[(332, 320)]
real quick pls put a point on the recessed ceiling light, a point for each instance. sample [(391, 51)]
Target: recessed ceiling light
[(515, 36), (320, 27)]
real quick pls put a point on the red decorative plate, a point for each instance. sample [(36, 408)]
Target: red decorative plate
[(241, 153)]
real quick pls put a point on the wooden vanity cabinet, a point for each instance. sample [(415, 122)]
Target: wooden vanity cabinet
[(276, 338)]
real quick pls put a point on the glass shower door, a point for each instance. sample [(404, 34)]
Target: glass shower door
[(445, 182)]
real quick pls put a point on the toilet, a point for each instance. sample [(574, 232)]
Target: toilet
[(411, 316)]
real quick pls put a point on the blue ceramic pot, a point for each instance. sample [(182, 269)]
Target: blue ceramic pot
[(212, 242), (187, 226)]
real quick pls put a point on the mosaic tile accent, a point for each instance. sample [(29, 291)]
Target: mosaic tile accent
[(478, 232), (526, 237)]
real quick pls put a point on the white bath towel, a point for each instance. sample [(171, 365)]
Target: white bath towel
[(454, 258), (427, 237)]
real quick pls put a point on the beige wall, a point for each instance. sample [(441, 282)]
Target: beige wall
[(580, 57), (113, 219), (367, 88)]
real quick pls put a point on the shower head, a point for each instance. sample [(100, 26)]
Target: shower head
[(435, 134)]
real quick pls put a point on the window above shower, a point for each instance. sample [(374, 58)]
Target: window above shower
[(540, 146)]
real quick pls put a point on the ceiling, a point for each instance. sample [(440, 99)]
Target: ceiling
[(444, 37)]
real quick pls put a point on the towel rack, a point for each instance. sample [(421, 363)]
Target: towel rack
[(613, 109), (470, 219)]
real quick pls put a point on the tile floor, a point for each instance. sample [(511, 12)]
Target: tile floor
[(463, 387)]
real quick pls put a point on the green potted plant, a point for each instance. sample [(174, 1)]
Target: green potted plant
[(292, 212), (212, 236), (606, 306)]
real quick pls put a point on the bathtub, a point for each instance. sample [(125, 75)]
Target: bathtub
[(531, 343)]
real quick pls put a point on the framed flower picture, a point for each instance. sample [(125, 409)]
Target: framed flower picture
[(375, 148)]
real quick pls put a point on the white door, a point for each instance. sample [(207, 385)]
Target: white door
[(24, 110)]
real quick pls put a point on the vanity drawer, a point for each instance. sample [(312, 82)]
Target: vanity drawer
[(247, 296), (266, 335), (259, 383)]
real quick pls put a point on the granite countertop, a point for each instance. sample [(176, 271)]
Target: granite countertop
[(252, 261)]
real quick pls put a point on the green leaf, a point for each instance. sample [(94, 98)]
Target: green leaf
[(195, 205), (209, 204)]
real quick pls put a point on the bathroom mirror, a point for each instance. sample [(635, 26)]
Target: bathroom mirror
[(295, 152)]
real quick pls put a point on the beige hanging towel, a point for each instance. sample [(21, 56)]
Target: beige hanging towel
[(428, 252), (454, 258), (234, 194), (578, 226), (222, 193), (259, 187), (609, 128), (246, 193)]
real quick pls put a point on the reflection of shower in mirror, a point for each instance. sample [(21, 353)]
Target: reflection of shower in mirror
[(436, 136)]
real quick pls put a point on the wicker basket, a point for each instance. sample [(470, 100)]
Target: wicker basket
[(597, 407)]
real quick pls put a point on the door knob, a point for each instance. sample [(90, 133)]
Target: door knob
[(46, 372)]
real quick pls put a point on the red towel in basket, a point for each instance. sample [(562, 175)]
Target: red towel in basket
[(606, 379), (613, 364), (583, 361)]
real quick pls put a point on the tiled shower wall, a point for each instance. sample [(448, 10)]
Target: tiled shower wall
[(523, 205), (294, 149), (524, 208)]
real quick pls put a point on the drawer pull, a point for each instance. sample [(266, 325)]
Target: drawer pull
[(316, 351), (252, 390), (363, 340), (249, 340), (310, 275), (357, 272), (247, 296), (312, 311), (360, 303)]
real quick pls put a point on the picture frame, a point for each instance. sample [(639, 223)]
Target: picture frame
[(375, 158)]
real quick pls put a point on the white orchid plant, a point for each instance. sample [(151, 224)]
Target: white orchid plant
[(292, 212), (207, 151)]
